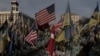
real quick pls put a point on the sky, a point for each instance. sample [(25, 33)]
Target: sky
[(30, 7)]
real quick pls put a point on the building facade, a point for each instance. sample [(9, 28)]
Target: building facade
[(17, 21), (75, 18), (14, 14)]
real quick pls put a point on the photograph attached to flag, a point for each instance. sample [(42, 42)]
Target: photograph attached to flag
[(32, 36), (46, 15)]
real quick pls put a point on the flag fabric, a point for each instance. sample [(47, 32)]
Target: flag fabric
[(4, 26), (66, 20), (61, 36), (68, 23), (50, 47), (32, 36), (3, 35), (97, 13), (92, 22), (97, 8), (94, 16), (4, 39), (46, 15), (59, 24), (69, 31), (67, 16), (11, 48)]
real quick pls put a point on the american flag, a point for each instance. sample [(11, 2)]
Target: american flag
[(60, 23), (32, 36), (70, 31), (46, 15)]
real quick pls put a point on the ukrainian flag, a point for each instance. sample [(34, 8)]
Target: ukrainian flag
[(92, 22), (61, 36)]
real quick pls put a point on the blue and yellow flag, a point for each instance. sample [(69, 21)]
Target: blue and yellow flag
[(61, 36), (11, 48), (68, 23)]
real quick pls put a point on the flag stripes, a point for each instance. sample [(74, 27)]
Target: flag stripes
[(60, 23), (41, 14), (31, 37), (45, 20), (45, 15)]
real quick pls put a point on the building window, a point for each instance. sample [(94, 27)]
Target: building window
[(5, 16), (2, 18), (13, 8), (16, 9)]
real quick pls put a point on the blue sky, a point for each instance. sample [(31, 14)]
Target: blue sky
[(30, 7)]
